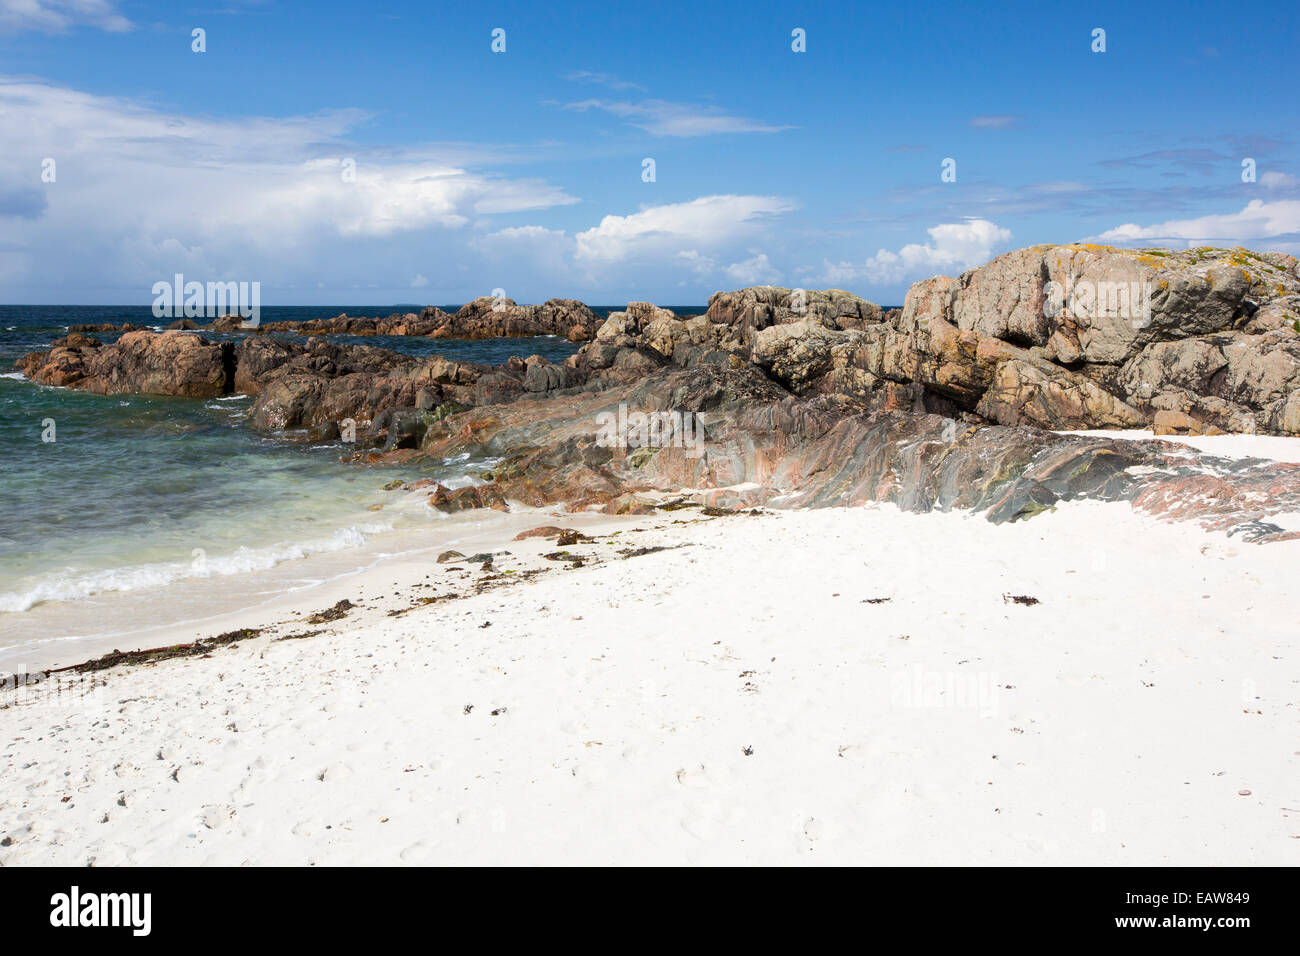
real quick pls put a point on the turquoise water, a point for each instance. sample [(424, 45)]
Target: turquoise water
[(142, 493)]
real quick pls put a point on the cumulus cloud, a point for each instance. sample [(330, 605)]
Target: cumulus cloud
[(58, 16), (954, 247), (663, 230), (756, 270), (138, 194), (146, 193), (702, 266), (1259, 220)]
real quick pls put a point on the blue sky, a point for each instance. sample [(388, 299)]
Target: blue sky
[(523, 170)]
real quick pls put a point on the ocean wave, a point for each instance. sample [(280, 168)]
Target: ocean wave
[(72, 585)]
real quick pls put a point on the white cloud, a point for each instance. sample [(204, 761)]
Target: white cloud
[(662, 118), (140, 193), (702, 266), (524, 253), (1275, 180), (663, 230), (954, 247), (520, 234), (756, 270), (1258, 220), (57, 16)]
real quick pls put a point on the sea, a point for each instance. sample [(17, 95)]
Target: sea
[(123, 515)]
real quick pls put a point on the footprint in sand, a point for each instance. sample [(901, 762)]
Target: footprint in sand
[(307, 828), (854, 752), (214, 816), (706, 819), (697, 777), (419, 852)]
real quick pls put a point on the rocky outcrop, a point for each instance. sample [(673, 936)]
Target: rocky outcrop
[(427, 322), (487, 317), (106, 327), (749, 311), (149, 363), (759, 444), (314, 385), (1110, 337), (793, 397), (483, 318), (1059, 337)]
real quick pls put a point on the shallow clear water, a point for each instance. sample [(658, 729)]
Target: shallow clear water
[(178, 500)]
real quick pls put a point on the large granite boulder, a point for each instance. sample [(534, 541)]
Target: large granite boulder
[(144, 363), (740, 315), (1059, 337), (1208, 333)]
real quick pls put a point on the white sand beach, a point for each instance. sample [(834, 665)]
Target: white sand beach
[(841, 686)]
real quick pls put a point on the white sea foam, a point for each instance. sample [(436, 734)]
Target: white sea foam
[(71, 585), (464, 481)]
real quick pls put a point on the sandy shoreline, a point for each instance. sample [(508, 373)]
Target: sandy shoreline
[(832, 686), (253, 598)]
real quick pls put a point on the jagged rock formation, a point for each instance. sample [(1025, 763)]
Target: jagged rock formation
[(817, 398), (152, 363), (487, 317), (427, 322), (483, 318), (1207, 337), (313, 386), (762, 445), (106, 327), (1062, 337)]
